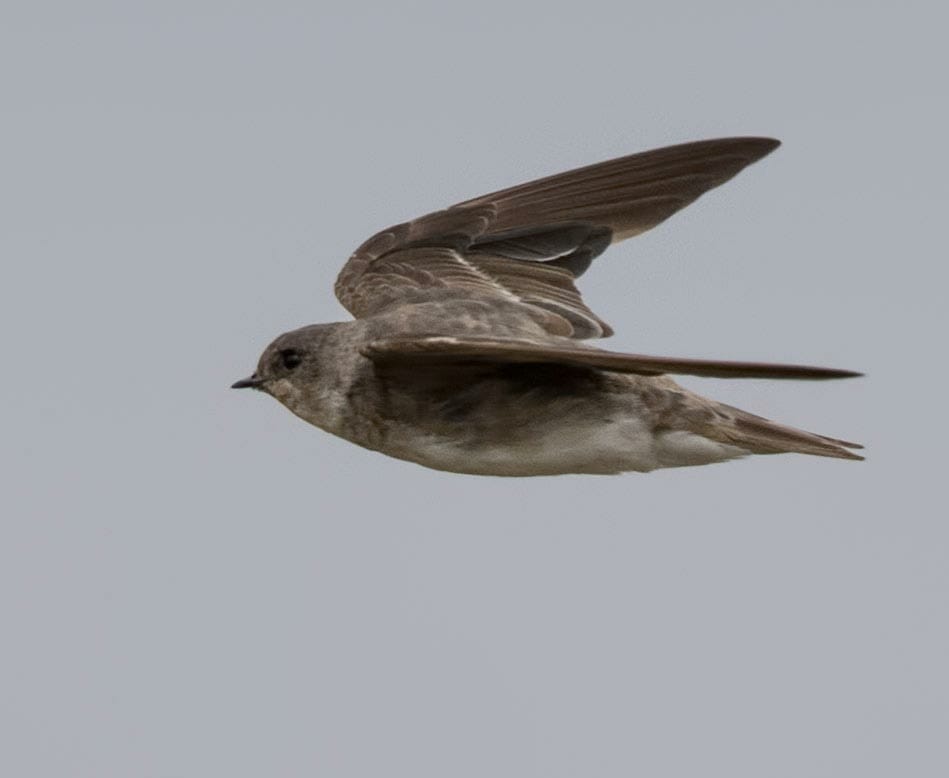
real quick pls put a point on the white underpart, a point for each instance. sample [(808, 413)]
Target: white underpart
[(601, 448)]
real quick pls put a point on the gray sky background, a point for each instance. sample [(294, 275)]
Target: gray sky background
[(195, 583)]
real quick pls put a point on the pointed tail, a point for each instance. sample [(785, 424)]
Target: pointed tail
[(761, 436)]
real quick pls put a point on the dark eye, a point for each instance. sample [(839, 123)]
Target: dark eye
[(290, 358)]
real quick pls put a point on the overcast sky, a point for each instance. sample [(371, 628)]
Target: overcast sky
[(195, 583)]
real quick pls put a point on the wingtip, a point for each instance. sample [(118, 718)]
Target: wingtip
[(749, 147), (831, 373), (764, 145), (841, 373), (754, 145)]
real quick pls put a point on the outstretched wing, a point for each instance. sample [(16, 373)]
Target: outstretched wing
[(408, 350), (528, 244)]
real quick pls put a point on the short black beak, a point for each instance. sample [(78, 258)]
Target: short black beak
[(248, 383)]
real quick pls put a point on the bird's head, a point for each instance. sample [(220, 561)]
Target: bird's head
[(290, 368)]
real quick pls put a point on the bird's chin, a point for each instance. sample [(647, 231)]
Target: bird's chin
[(284, 392)]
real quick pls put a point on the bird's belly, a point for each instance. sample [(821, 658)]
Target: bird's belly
[(603, 447)]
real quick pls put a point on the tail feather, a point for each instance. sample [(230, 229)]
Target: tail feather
[(762, 436)]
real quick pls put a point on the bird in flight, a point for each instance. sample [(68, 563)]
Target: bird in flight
[(468, 352)]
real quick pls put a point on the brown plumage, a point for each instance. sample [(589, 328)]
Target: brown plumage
[(449, 304)]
